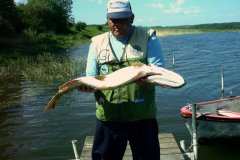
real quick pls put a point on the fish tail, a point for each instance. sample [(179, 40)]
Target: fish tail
[(51, 104)]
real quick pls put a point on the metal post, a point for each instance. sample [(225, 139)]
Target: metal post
[(192, 151), (194, 132), (173, 60), (75, 149), (222, 80)]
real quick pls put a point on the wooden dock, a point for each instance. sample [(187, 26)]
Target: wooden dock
[(168, 148)]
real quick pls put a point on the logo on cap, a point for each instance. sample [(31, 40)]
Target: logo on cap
[(119, 9), (118, 5)]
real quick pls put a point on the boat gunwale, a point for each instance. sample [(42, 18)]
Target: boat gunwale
[(186, 113)]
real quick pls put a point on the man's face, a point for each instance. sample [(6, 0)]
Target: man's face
[(120, 28)]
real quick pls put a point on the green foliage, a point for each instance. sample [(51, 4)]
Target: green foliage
[(5, 25), (92, 30), (80, 26), (9, 18), (38, 15), (31, 42), (100, 27), (231, 25), (47, 15)]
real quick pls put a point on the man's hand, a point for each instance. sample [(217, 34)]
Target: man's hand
[(141, 82), (85, 89)]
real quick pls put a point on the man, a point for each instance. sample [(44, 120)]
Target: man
[(127, 113)]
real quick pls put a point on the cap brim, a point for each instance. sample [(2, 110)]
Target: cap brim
[(118, 15)]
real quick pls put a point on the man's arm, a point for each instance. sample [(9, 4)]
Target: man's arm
[(92, 65), (155, 53), (154, 56), (91, 68)]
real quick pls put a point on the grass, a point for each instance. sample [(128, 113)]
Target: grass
[(31, 42), (28, 55), (41, 69)]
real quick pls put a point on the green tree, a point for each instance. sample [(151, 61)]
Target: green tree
[(64, 10), (9, 17), (48, 15)]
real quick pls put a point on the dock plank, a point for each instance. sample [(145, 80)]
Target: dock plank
[(168, 148)]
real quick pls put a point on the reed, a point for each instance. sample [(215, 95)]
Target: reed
[(46, 68), (170, 32)]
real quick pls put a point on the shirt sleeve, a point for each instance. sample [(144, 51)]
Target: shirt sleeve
[(92, 65), (155, 53)]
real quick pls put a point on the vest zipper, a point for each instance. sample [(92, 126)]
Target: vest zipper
[(119, 95)]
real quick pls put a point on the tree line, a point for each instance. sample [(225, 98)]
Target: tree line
[(36, 15), (230, 25)]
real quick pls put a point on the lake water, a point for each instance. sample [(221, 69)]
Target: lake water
[(29, 133)]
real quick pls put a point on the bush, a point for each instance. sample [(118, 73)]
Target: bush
[(100, 27), (80, 26)]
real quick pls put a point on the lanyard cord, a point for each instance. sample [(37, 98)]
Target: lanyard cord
[(125, 47)]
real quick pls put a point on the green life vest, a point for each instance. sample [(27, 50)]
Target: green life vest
[(131, 102)]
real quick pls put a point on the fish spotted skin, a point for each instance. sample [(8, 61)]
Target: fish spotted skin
[(151, 74)]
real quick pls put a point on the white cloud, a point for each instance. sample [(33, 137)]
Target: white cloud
[(180, 2), (177, 8), (157, 5)]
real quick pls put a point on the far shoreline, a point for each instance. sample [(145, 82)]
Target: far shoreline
[(32, 44), (164, 32)]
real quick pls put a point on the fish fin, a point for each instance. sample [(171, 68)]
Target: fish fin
[(137, 64), (100, 77), (65, 85)]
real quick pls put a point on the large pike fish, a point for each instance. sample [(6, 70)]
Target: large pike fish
[(148, 73)]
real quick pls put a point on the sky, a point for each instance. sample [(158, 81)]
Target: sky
[(162, 12)]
